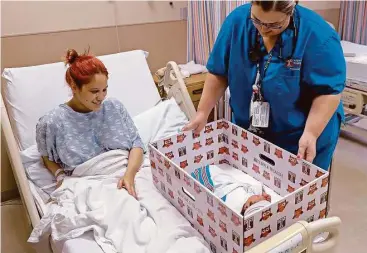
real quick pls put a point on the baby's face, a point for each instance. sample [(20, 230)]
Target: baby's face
[(254, 199)]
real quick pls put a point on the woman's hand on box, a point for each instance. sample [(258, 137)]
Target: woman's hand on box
[(307, 147)]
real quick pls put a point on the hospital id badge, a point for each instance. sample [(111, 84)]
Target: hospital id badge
[(260, 114)]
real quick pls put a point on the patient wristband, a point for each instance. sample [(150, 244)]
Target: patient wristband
[(58, 172), (60, 177)]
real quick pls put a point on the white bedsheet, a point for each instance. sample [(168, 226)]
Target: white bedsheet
[(84, 243), (119, 222), (350, 47)]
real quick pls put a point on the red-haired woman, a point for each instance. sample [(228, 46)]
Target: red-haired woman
[(88, 124)]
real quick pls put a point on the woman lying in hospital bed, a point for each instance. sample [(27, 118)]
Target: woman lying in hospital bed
[(88, 143), (88, 125)]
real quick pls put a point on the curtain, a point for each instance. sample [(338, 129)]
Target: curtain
[(204, 21), (203, 24), (353, 21)]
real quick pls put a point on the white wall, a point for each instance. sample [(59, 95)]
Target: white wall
[(28, 17)]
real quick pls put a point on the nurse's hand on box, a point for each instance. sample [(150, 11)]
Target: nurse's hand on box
[(307, 147), (197, 124)]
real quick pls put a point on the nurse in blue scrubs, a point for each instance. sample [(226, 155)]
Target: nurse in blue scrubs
[(285, 70)]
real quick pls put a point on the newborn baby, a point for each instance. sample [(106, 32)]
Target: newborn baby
[(238, 190)]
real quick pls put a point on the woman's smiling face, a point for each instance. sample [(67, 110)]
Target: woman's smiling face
[(92, 94)]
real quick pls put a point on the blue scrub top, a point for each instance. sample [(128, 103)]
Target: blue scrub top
[(289, 90)]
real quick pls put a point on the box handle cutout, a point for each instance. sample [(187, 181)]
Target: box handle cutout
[(188, 194), (267, 159)]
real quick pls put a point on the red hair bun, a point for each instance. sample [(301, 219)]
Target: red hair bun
[(82, 68), (71, 56)]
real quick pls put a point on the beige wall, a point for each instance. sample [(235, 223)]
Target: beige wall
[(28, 28), (320, 5), (32, 17), (39, 32), (329, 10)]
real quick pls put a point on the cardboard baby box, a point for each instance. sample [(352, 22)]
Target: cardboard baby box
[(302, 186)]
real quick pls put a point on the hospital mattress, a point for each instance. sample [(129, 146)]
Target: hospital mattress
[(84, 243), (356, 59)]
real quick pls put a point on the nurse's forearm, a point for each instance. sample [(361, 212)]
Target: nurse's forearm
[(322, 109), (214, 88)]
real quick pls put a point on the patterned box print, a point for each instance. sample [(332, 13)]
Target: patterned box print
[(302, 185)]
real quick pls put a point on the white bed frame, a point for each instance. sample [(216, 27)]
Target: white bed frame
[(355, 93), (298, 237), (358, 99)]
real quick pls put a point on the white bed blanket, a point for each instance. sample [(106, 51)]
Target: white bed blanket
[(90, 201)]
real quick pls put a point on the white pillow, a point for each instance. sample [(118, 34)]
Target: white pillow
[(160, 121), (331, 24), (36, 171), (163, 120)]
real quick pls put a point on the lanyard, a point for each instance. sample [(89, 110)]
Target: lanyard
[(257, 87)]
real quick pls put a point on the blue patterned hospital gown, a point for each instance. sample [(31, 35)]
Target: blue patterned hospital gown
[(70, 138)]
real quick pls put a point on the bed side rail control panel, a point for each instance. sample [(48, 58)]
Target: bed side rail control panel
[(353, 101), (300, 237)]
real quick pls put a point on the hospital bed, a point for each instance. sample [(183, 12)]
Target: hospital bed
[(29, 92), (354, 96)]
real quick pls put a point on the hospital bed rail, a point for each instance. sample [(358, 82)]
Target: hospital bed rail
[(13, 152)]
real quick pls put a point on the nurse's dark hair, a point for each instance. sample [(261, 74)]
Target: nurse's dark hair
[(82, 67), (286, 7)]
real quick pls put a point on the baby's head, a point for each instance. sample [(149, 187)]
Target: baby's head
[(255, 199)]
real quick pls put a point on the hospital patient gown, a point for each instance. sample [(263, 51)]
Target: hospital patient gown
[(70, 138)]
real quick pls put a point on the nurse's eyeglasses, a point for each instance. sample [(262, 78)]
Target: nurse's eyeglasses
[(256, 53), (272, 26)]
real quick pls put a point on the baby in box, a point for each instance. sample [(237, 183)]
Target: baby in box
[(238, 190)]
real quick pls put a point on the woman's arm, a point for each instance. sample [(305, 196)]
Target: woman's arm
[(322, 109), (54, 168), (134, 163), (51, 166), (325, 72), (214, 88)]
